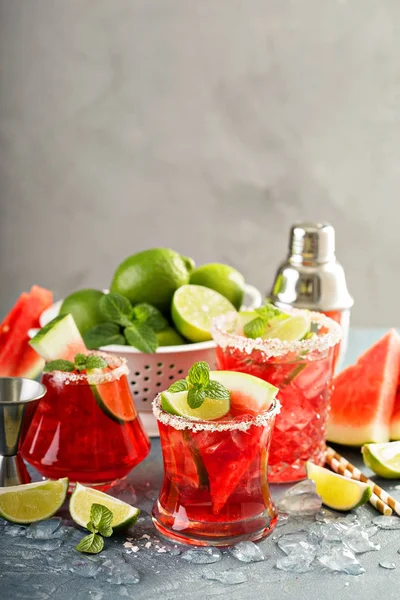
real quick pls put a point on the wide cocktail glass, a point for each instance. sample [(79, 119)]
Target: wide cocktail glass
[(215, 489), (86, 428), (302, 370)]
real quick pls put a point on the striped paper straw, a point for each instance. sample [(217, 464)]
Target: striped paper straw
[(356, 474), (374, 499)]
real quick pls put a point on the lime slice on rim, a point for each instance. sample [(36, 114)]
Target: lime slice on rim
[(383, 459), (175, 403), (289, 330), (193, 309), (32, 502), (338, 492), (81, 502)]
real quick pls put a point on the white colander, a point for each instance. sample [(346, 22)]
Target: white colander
[(151, 373)]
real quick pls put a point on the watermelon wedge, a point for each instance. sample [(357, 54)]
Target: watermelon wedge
[(395, 420), (17, 358), (363, 396), (60, 338)]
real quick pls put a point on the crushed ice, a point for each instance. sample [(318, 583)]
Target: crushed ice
[(202, 556), (301, 500), (247, 552)]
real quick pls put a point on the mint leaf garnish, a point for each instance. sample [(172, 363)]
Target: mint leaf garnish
[(146, 313), (142, 337), (217, 391), (116, 308), (196, 396), (59, 365), (80, 360), (91, 544), (255, 328), (103, 334), (91, 527), (101, 516), (179, 386), (199, 373), (95, 362), (269, 311)]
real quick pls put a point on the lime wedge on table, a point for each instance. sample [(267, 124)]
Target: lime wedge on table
[(336, 491), (33, 501), (289, 330), (82, 499), (176, 403), (193, 309), (383, 459)]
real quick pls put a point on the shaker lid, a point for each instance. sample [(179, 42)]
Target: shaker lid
[(312, 242)]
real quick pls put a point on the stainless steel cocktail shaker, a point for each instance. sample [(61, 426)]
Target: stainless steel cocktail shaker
[(312, 278)]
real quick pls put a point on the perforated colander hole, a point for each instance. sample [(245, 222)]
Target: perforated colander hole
[(147, 367), (158, 384), (144, 399), (145, 389), (171, 377), (180, 372), (159, 364), (133, 382), (159, 372), (137, 373), (172, 366), (146, 378), (136, 392)]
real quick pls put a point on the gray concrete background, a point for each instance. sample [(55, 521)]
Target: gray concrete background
[(206, 126)]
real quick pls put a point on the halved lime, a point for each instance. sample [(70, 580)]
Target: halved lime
[(383, 459), (289, 330), (176, 403), (32, 502), (124, 515), (336, 491), (193, 309)]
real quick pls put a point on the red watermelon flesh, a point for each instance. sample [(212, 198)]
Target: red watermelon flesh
[(363, 396), (17, 358), (395, 420)]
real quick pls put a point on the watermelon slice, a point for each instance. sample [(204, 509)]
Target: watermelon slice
[(17, 358), (364, 394), (60, 338), (395, 420)]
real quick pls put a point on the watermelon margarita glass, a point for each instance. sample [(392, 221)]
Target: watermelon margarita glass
[(215, 489), (303, 371), (86, 427)]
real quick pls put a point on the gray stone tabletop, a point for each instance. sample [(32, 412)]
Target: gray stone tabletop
[(39, 562)]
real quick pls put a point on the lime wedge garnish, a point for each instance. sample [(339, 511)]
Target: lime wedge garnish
[(176, 403), (336, 491), (289, 330), (81, 502), (193, 309), (383, 459), (33, 501)]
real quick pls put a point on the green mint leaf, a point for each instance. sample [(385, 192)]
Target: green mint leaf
[(179, 386), (309, 335), (92, 544), (196, 396), (217, 391), (91, 527), (59, 365), (269, 312), (116, 308), (146, 313), (101, 516), (103, 334), (142, 337), (199, 373), (106, 531), (255, 328), (80, 361), (95, 362)]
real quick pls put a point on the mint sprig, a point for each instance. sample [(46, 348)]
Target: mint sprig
[(265, 314), (199, 386), (126, 324), (99, 525), (59, 365), (81, 362)]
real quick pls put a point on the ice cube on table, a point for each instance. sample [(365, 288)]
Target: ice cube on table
[(247, 552), (231, 577), (341, 560), (358, 541), (290, 541), (301, 499), (44, 530), (385, 564), (298, 561), (202, 556), (387, 522)]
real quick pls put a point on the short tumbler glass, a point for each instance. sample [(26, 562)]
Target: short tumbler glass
[(215, 490), (303, 371)]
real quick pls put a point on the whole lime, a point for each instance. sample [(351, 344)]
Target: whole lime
[(84, 306), (223, 279), (152, 276), (169, 337)]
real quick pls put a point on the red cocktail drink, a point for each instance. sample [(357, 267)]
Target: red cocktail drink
[(215, 489), (302, 370), (86, 428)]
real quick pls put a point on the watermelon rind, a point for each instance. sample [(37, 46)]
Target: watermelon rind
[(60, 338)]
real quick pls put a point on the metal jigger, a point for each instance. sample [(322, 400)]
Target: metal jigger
[(18, 401)]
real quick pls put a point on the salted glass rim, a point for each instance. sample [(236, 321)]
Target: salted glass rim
[(180, 423), (274, 346), (97, 376)]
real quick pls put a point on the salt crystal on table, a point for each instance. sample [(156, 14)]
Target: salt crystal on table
[(145, 537), (128, 545), (147, 545)]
